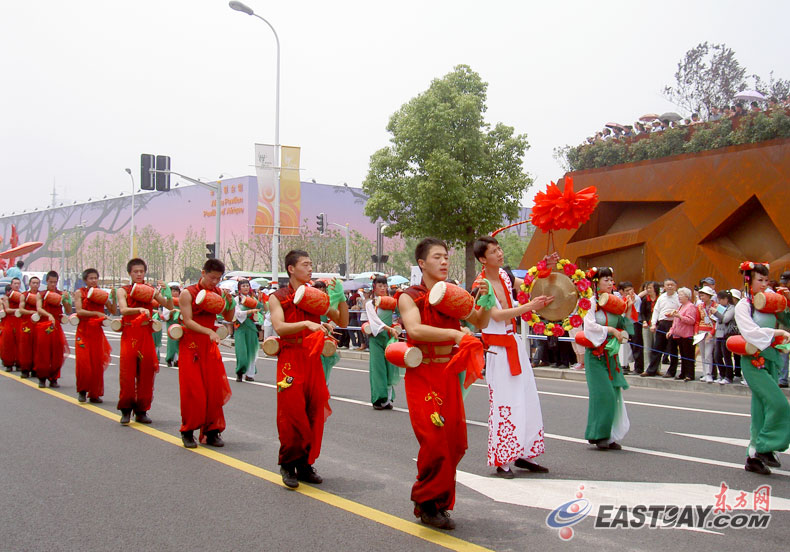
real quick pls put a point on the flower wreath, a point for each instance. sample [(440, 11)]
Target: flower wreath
[(749, 265), (576, 318)]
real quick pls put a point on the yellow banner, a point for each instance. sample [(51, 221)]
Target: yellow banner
[(290, 189)]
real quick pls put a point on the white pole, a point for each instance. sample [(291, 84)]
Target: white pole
[(217, 249), (348, 268), (131, 230)]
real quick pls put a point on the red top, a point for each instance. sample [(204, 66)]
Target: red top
[(133, 303), (429, 315), (204, 318), (30, 299), (13, 304), (87, 304), (54, 310), (292, 313)]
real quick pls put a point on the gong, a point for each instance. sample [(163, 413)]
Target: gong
[(564, 292)]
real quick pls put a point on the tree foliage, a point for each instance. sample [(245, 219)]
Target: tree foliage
[(447, 173)]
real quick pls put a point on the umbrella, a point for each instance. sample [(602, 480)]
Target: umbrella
[(648, 117), (615, 125), (397, 280), (367, 276), (230, 285), (670, 116), (354, 285), (18, 251), (750, 96), (263, 282)]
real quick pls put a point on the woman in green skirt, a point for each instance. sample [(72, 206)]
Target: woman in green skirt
[(246, 334)]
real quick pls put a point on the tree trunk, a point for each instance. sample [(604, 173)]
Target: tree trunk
[(471, 270)]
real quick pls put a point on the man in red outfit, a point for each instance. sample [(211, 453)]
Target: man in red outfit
[(202, 381), (92, 350), (433, 393), (51, 345), (26, 335), (9, 344), (302, 395), (139, 362)]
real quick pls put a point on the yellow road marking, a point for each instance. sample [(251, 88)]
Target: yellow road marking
[(377, 516)]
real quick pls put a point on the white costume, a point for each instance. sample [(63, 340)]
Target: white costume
[(515, 422)]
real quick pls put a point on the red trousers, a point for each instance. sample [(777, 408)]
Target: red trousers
[(9, 348), (303, 407), (51, 349), (203, 384), (431, 388), (138, 367), (93, 356), (26, 343)]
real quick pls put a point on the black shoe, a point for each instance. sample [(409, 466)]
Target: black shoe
[(389, 406), (757, 466), (308, 474), (42, 383), (615, 446), (175, 363), (142, 418), (126, 416), (505, 474), (213, 439), (378, 406), (679, 378), (440, 520), (289, 477), (783, 385), (238, 377), (25, 374), (249, 378), (81, 396), (188, 439), (169, 363), (9, 368), (602, 444), (769, 459), (668, 376), (96, 400), (54, 383), (525, 464)]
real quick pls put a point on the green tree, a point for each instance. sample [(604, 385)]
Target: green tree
[(447, 172)]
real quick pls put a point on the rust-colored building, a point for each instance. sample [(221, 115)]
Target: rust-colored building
[(686, 216)]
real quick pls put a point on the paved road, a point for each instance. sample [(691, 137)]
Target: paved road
[(73, 478)]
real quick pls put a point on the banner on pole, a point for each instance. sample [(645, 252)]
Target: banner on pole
[(266, 165)]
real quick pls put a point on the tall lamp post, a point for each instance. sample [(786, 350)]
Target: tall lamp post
[(239, 6), (131, 232)]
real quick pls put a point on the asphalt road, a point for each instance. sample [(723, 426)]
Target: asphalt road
[(73, 478)]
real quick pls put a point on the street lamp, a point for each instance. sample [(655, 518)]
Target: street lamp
[(240, 7), (131, 232)]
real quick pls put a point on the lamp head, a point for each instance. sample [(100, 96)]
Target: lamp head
[(238, 6), (128, 170)]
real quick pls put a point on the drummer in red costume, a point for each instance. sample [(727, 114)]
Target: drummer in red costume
[(302, 395), (9, 344), (139, 362), (51, 345), (92, 350), (26, 335), (202, 380), (431, 387)]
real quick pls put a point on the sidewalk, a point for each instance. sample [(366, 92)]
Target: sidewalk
[(633, 380)]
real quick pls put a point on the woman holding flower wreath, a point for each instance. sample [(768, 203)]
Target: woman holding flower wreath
[(607, 421)]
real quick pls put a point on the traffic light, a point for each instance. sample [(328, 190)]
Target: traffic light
[(320, 223), (342, 268), (146, 176), (163, 179), (212, 250)]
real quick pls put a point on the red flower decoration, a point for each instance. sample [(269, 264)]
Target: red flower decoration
[(544, 273), (576, 321), (584, 303), (570, 269), (539, 328), (542, 265), (556, 210), (528, 279), (522, 297), (583, 285), (558, 331), (526, 317)]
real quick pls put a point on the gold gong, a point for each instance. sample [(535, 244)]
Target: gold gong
[(564, 292)]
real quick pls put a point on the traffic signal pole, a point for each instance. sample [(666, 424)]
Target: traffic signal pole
[(348, 267)]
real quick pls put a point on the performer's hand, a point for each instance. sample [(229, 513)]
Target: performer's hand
[(554, 258), (145, 311), (161, 284), (327, 327), (51, 318), (784, 291), (540, 301), (458, 335), (623, 337), (482, 285), (394, 331), (213, 336), (312, 326)]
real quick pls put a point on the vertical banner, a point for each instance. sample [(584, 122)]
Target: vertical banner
[(265, 163), (290, 191)]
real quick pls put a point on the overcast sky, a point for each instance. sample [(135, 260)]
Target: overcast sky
[(89, 85)]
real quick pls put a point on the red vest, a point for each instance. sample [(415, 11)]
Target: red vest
[(87, 304), (205, 319), (291, 312), (428, 314), (54, 310)]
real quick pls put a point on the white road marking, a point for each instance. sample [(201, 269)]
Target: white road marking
[(744, 443)]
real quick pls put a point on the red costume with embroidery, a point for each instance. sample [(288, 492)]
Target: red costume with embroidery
[(432, 387), (51, 345), (302, 405), (202, 382), (92, 349), (139, 363), (9, 344), (26, 339)]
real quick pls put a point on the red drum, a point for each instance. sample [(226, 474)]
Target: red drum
[(116, 324), (403, 355), (738, 345), (53, 298), (366, 328), (210, 301), (98, 296), (330, 346), (451, 300), (248, 301), (15, 296), (385, 302), (771, 303), (612, 304), (175, 332), (222, 332), (30, 300), (142, 293), (271, 346), (583, 341), (311, 300), (175, 300)]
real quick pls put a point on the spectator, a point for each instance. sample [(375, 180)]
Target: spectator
[(784, 283), (724, 315), (707, 325), (739, 110), (607, 134), (629, 131), (660, 323), (627, 352), (656, 126), (648, 295), (755, 107), (715, 114), (682, 332), (695, 120)]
